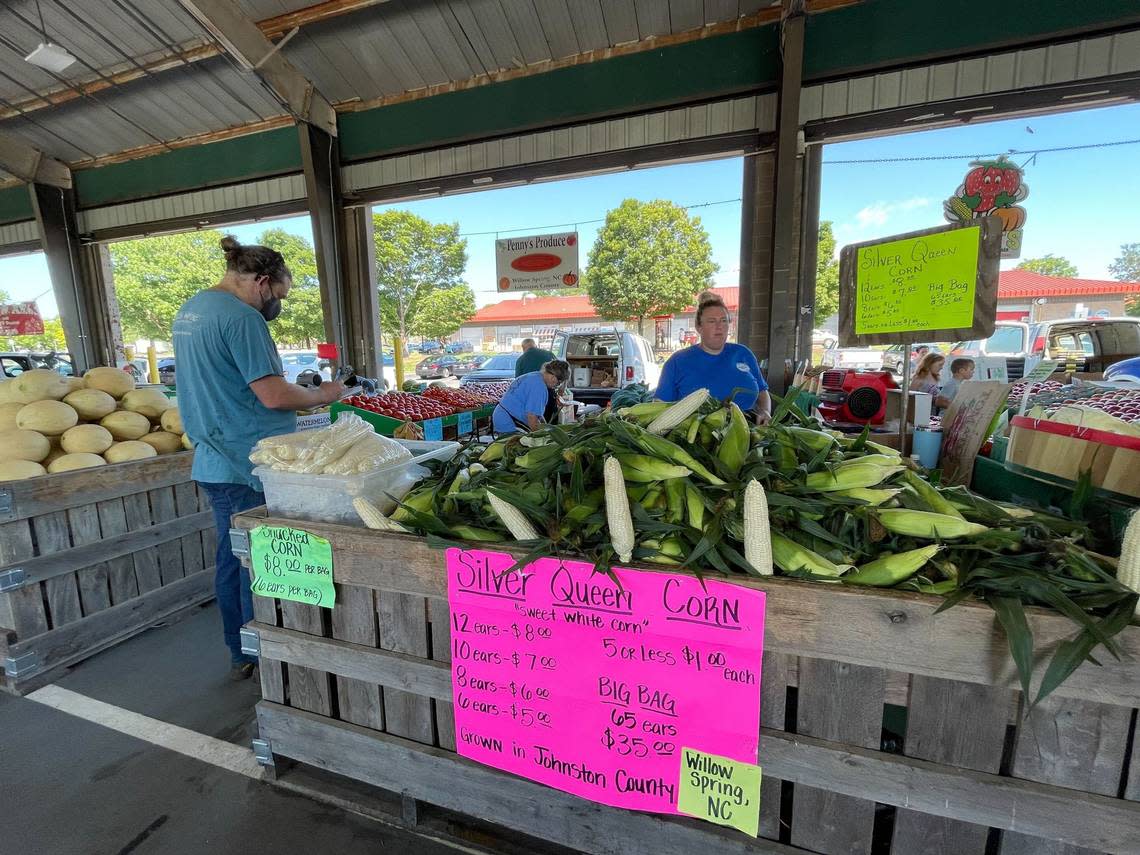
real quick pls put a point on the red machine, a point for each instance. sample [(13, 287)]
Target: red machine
[(858, 397)]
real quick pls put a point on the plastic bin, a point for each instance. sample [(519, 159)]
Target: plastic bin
[(328, 498)]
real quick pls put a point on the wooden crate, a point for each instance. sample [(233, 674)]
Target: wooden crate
[(364, 690), (89, 558)]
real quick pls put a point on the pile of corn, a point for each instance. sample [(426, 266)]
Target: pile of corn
[(692, 484)]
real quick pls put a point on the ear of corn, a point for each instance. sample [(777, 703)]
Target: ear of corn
[(644, 412), (757, 531), (734, 446), (538, 456), (1128, 568), (419, 500), (494, 451), (517, 524), (695, 506), (929, 494), (678, 412), (659, 446), (928, 525), (470, 532), (641, 467), (882, 449), (869, 495), (694, 429), (675, 497), (852, 474), (370, 515), (816, 440), (791, 557), (892, 569), (617, 510)]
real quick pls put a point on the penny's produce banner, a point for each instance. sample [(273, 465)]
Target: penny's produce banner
[(636, 689)]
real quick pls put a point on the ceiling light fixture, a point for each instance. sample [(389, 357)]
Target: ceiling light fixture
[(47, 55)]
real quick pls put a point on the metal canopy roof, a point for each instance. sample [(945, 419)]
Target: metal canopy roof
[(148, 74)]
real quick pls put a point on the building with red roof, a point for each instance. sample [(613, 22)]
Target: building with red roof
[(1021, 294)]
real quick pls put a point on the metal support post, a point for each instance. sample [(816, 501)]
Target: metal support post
[(322, 185), (809, 249), (363, 313), (55, 218), (747, 224), (783, 308)]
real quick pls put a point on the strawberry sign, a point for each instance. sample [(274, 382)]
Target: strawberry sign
[(992, 188)]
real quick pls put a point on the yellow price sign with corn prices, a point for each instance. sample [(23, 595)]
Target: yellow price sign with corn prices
[(291, 564), (937, 284)]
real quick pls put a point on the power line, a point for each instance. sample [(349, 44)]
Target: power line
[(1029, 151), (577, 223)]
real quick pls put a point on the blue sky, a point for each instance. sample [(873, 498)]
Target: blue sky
[(1082, 204)]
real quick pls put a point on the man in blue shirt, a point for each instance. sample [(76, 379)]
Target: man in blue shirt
[(231, 393), (716, 364)]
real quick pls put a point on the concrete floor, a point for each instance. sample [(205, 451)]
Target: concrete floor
[(70, 786)]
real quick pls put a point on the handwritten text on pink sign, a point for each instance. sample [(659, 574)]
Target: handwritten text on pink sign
[(564, 677)]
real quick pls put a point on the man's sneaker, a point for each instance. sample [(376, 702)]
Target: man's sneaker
[(242, 671)]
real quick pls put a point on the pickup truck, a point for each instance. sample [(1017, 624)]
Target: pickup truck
[(1090, 344)]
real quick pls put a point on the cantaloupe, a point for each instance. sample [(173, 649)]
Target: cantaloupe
[(53, 455), (172, 421), (8, 412), (163, 441), (121, 452), (24, 445), (150, 402), (74, 384), (51, 418), (90, 439), (114, 381), (186, 443), (91, 404), (69, 462), (126, 426), (6, 390), (40, 384), (18, 470)]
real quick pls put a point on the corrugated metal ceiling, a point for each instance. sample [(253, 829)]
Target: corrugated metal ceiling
[(379, 50)]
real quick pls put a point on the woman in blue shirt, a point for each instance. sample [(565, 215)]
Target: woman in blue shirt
[(525, 402), (716, 364)]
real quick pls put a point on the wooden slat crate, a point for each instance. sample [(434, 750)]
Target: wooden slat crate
[(884, 727), (89, 558)]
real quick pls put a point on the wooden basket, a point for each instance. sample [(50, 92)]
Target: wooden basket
[(1065, 451)]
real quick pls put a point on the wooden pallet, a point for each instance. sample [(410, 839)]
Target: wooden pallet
[(364, 690), (89, 558)]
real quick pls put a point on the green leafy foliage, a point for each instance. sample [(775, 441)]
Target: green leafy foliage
[(826, 274), (414, 257), (51, 339), (1050, 265), (443, 311), (649, 259), (302, 317)]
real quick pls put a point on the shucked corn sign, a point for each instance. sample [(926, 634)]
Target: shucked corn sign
[(291, 564)]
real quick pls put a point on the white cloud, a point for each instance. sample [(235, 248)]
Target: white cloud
[(878, 213)]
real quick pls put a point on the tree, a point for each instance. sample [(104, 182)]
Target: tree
[(649, 259), (1126, 268), (1050, 265), (302, 315), (155, 276), (442, 312), (414, 257), (826, 274)]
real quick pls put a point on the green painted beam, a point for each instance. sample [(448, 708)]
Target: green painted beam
[(196, 167), (717, 66), (15, 204), (892, 32)]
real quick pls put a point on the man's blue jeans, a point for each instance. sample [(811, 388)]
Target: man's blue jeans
[(231, 580)]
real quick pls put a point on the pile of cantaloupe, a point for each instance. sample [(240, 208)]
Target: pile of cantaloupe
[(50, 423)]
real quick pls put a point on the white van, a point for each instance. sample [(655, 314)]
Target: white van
[(605, 360)]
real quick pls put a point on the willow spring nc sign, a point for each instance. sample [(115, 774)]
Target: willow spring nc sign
[(537, 262)]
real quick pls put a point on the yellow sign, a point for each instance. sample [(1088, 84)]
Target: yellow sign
[(720, 790), (916, 284)]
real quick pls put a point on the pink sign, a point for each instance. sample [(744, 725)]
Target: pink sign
[(568, 678), (20, 319)]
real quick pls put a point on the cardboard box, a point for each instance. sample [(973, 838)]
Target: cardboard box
[(1063, 452), (918, 413), (600, 378)]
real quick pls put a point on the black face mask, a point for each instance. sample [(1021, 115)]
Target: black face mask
[(271, 308)]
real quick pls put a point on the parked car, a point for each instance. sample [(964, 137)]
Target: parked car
[(892, 357), (1126, 371), (13, 364), (853, 358), (429, 347), (625, 357), (824, 338), (494, 369), (296, 362), (447, 366), (1090, 344), (459, 347)]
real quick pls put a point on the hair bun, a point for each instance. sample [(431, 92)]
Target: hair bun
[(229, 244), (708, 298)]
